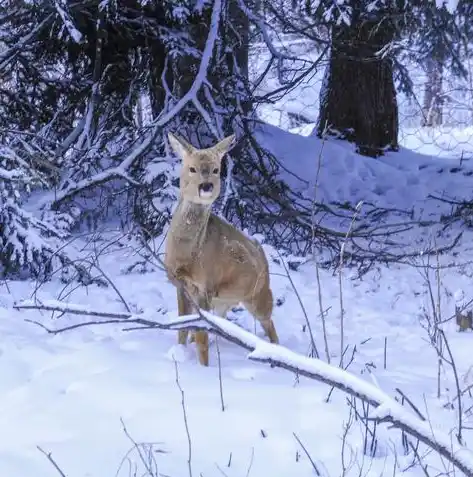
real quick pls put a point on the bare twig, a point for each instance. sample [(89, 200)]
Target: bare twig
[(322, 313), (346, 429), (385, 355), (95, 264), (306, 452), (53, 462), (452, 364), (419, 460), (413, 406), (186, 424), (220, 381), (317, 271), (250, 465), (314, 351), (340, 272), (149, 466), (439, 340)]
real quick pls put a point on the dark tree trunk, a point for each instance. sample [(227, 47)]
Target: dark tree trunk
[(237, 22), (228, 71), (358, 98), (156, 54), (157, 63)]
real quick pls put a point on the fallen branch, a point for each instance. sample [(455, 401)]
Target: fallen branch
[(386, 408)]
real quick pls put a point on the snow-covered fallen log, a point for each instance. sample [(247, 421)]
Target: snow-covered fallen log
[(386, 409)]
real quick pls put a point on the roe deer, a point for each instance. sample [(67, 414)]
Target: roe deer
[(218, 265)]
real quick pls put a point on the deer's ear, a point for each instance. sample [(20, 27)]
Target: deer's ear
[(180, 146), (225, 145)]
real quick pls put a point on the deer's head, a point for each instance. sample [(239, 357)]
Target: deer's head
[(200, 171)]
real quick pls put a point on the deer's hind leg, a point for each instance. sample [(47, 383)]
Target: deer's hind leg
[(184, 307), (261, 307)]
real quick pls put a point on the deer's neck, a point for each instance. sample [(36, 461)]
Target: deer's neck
[(189, 226)]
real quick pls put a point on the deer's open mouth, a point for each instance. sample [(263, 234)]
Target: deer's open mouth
[(205, 190)]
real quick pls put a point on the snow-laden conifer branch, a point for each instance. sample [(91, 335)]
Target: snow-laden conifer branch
[(62, 8), (386, 408), (22, 43), (260, 23), (122, 171)]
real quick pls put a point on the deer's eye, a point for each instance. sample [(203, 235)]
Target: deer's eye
[(192, 170), (215, 171)]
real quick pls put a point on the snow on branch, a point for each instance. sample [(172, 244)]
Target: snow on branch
[(8, 175), (61, 8), (21, 44), (102, 177), (386, 408), (260, 23), (121, 171), (139, 321), (203, 68)]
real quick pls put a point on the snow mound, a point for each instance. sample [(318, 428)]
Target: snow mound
[(331, 171)]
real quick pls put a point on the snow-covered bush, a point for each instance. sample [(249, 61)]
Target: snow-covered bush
[(29, 245)]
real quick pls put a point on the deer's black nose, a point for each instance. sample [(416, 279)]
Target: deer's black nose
[(206, 187)]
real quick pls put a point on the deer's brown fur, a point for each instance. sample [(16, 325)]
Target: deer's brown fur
[(219, 266)]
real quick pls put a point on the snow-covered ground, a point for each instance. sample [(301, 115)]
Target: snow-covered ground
[(69, 393)]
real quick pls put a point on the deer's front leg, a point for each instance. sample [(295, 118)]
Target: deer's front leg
[(201, 338), (184, 307)]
